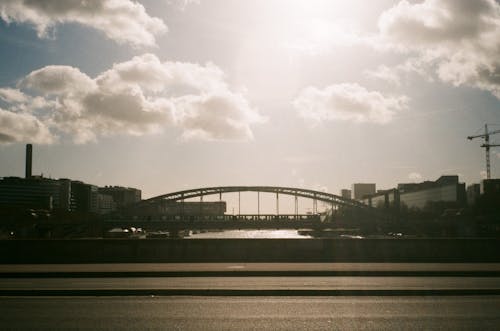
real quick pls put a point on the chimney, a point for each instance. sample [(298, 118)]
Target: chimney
[(29, 154)]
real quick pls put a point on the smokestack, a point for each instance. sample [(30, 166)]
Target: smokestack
[(29, 155)]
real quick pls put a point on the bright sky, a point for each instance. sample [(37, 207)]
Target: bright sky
[(167, 95)]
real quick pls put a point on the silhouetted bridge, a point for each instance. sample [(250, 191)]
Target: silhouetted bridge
[(239, 221), (332, 199)]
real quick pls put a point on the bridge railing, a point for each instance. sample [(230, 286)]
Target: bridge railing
[(228, 218)]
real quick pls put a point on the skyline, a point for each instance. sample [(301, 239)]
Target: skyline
[(320, 95)]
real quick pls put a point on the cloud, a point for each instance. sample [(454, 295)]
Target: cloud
[(182, 4), (58, 80), (385, 73), (459, 40), (22, 127), (148, 72), (348, 102), (123, 21), (21, 102), (136, 97), (11, 95), (394, 75), (217, 116)]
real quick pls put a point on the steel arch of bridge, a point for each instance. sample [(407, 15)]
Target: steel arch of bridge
[(292, 191)]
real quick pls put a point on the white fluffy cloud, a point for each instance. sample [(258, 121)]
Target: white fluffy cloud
[(11, 95), (212, 116), (16, 127), (136, 97), (59, 80), (148, 72), (347, 102), (457, 39), (124, 21)]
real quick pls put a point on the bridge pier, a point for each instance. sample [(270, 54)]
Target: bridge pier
[(296, 205), (277, 204), (258, 203)]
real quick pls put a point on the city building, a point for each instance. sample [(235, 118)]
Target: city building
[(387, 199), (489, 201), (35, 192), (346, 194), (122, 196), (38, 192), (84, 197), (473, 194), (105, 204), (446, 190), (360, 190), (490, 187)]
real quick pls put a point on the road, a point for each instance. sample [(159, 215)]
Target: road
[(258, 296), (250, 313)]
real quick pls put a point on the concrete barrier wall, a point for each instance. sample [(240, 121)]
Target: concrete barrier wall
[(249, 250)]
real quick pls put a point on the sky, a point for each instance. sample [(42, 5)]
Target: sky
[(167, 95)]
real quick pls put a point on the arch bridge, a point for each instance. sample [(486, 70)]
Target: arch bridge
[(258, 221), (332, 199)]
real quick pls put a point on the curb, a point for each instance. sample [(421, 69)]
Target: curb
[(243, 292)]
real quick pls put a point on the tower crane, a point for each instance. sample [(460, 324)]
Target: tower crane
[(486, 146)]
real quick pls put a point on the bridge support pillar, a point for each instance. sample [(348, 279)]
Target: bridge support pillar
[(296, 206), (277, 204), (182, 206), (220, 202), (258, 203)]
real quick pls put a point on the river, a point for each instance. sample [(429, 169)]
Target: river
[(249, 234)]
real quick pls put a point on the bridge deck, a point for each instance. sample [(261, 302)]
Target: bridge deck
[(184, 222)]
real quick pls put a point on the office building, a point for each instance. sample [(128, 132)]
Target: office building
[(490, 187), (445, 190), (346, 194), (360, 190), (122, 196), (105, 204), (84, 197), (387, 199), (35, 193), (473, 194)]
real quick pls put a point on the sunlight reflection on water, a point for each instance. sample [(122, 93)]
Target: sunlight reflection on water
[(261, 234)]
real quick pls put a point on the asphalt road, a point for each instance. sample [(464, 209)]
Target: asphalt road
[(261, 296), (250, 313)]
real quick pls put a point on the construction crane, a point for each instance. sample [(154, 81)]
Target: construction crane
[(486, 146)]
